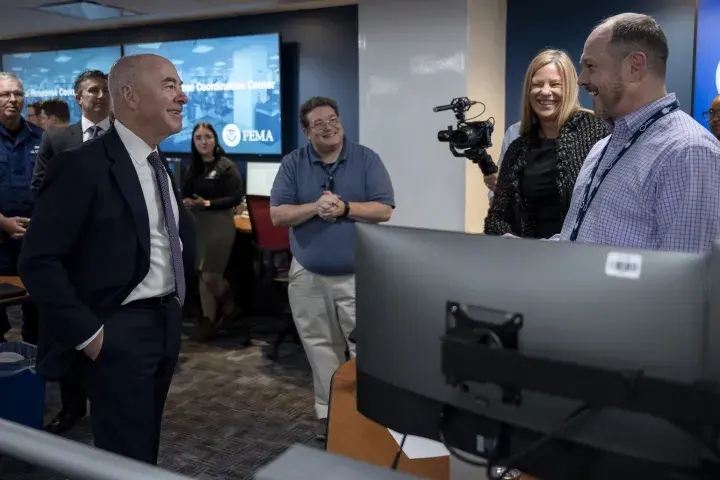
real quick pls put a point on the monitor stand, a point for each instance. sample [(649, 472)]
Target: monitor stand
[(460, 470)]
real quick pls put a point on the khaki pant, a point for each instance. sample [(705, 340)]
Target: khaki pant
[(323, 308)]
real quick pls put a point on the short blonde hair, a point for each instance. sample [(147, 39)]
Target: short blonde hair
[(570, 101)]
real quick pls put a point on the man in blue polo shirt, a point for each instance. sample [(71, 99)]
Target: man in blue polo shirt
[(19, 143), (320, 191)]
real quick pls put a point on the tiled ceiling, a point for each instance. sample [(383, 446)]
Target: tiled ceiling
[(22, 18)]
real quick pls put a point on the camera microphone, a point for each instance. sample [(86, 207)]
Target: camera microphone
[(442, 108)]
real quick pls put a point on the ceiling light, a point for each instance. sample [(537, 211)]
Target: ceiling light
[(87, 10), (63, 58), (24, 56), (150, 46), (177, 62), (220, 64), (202, 48)]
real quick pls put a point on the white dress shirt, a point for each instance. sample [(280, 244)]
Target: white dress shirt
[(86, 124), (160, 279)]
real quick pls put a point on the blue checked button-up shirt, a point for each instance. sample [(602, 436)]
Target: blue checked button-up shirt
[(663, 194)]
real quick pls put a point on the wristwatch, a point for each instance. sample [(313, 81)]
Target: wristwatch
[(347, 210)]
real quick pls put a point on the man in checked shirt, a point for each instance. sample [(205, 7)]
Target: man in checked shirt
[(659, 172)]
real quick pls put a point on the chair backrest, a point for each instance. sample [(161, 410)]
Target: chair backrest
[(267, 235)]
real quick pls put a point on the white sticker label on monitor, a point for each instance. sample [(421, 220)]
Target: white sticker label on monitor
[(623, 265)]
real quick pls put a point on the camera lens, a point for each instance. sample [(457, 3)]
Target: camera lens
[(464, 137), (443, 136)]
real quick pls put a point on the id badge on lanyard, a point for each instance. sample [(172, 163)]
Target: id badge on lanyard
[(591, 191)]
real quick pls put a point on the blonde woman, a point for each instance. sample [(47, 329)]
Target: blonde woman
[(539, 168)]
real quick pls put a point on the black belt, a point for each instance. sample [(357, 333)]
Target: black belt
[(152, 302)]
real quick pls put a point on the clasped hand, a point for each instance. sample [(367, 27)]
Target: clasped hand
[(329, 207), (15, 226), (194, 201)]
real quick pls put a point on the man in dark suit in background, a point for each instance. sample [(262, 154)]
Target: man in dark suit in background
[(33, 114), (105, 259), (91, 93), (54, 113)]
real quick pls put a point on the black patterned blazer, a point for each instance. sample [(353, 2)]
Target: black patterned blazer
[(509, 212)]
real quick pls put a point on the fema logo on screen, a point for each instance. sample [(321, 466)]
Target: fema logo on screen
[(231, 135)]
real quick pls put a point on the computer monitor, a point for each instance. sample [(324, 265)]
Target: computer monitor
[(597, 306), (260, 177)]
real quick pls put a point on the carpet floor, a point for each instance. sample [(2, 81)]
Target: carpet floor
[(229, 412)]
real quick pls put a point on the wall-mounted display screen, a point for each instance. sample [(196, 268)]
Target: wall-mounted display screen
[(707, 58), (232, 83), (47, 75)]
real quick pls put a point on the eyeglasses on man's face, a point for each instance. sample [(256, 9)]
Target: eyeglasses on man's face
[(319, 125), (7, 95), (710, 114)]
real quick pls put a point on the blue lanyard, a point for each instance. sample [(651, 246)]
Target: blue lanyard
[(329, 184), (590, 192)]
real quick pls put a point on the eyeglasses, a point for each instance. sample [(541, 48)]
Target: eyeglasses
[(7, 95), (320, 124), (710, 114)]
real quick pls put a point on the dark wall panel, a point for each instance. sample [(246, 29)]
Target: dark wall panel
[(567, 24)]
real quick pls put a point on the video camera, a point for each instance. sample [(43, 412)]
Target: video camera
[(471, 137)]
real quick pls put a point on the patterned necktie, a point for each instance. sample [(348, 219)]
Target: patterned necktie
[(161, 177), (94, 131)]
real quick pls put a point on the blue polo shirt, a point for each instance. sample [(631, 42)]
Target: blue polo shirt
[(17, 160), (357, 176)]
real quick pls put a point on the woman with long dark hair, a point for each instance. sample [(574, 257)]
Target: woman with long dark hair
[(212, 188)]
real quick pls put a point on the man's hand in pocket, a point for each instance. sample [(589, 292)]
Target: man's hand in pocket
[(94, 347)]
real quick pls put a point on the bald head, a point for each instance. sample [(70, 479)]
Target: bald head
[(127, 72), (634, 32), (147, 96)]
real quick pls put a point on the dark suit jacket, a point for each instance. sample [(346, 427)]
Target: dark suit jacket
[(88, 245), (54, 141)]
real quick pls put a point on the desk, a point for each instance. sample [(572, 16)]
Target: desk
[(354, 436), (7, 302), (243, 224)]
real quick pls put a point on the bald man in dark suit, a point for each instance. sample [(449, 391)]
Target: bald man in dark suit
[(106, 256)]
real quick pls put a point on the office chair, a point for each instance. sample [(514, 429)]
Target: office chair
[(273, 246)]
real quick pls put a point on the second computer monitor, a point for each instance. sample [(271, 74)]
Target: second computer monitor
[(260, 177)]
